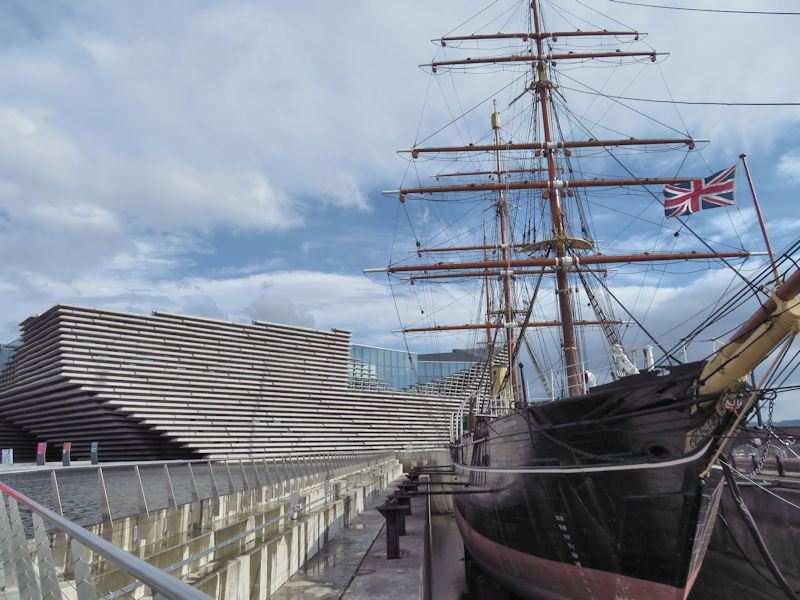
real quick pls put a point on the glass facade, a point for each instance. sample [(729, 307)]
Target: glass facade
[(6, 352), (382, 368), (430, 370)]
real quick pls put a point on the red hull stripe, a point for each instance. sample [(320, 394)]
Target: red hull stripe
[(540, 578)]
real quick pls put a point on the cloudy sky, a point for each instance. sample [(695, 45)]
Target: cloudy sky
[(225, 159)]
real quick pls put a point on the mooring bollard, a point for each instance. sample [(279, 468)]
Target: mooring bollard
[(65, 453), (404, 500), (409, 486), (401, 515), (394, 515)]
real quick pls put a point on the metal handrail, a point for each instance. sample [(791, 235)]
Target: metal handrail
[(55, 465), (160, 582)]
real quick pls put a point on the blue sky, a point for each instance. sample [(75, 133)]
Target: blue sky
[(225, 159)]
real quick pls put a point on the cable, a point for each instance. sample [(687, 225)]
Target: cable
[(691, 102), (709, 10)]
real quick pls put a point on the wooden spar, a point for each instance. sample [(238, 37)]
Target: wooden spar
[(542, 185), (777, 318), (467, 326), (559, 262), (497, 273), (462, 248), (537, 58), (533, 35), (551, 145), (504, 172)]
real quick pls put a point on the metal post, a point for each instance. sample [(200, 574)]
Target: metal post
[(288, 476), (170, 490), (267, 476), (193, 484), (244, 476), (247, 491), (140, 492), (230, 477), (105, 507), (214, 488), (259, 481), (55, 495)]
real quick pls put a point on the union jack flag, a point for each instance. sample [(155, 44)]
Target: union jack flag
[(685, 198)]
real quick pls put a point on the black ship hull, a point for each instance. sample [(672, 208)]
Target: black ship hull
[(609, 505)]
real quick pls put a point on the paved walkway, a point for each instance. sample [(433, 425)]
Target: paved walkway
[(353, 565)]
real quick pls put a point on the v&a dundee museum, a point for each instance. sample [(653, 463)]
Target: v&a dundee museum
[(171, 386)]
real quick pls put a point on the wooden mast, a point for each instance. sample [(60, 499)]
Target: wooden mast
[(563, 289), (505, 274)]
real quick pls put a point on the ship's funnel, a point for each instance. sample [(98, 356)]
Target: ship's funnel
[(776, 319)]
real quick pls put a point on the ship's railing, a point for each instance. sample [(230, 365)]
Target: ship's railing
[(595, 371), (46, 554)]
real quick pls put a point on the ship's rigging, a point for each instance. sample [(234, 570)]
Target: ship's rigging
[(535, 186)]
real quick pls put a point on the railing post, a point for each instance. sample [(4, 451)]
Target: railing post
[(288, 475), (214, 488), (105, 507), (193, 484), (55, 495), (259, 481), (270, 480), (267, 475), (140, 492), (230, 477), (245, 482), (171, 501)]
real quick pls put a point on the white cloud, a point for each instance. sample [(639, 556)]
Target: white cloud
[(789, 167)]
